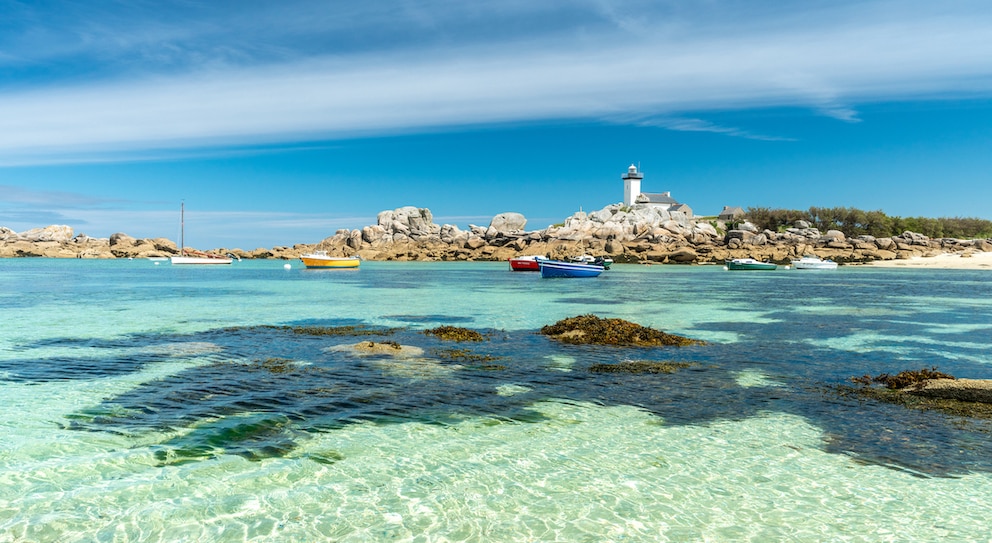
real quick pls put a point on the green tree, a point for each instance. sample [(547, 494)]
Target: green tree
[(855, 222)]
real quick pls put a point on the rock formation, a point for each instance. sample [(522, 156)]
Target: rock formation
[(928, 389), (965, 390), (639, 233)]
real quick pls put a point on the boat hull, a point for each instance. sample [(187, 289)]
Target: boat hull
[(814, 264), (595, 260), (199, 260), (330, 262), (556, 269), (740, 265), (525, 264)]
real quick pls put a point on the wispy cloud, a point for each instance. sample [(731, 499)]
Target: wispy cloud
[(13, 195), (700, 125), (26, 219), (601, 61)]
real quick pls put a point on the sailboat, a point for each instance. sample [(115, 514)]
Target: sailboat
[(197, 257)]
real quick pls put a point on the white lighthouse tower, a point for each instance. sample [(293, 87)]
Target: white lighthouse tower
[(631, 185)]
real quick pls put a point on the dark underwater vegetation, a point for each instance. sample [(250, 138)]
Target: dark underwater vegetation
[(260, 390)]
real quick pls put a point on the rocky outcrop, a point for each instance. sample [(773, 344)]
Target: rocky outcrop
[(964, 390), (61, 242), (927, 389), (509, 222), (124, 246), (57, 233), (593, 330), (633, 234), (639, 233), (56, 241)]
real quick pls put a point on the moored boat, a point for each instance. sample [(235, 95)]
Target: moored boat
[(189, 256), (749, 264), (603, 261), (558, 268), (321, 260), (196, 257), (526, 263), (813, 263)]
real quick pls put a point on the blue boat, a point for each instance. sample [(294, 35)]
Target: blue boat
[(557, 268)]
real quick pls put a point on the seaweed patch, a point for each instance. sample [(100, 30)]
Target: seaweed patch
[(464, 356), (903, 379), (640, 366), (592, 330), (909, 389), (454, 333), (258, 391), (349, 330)]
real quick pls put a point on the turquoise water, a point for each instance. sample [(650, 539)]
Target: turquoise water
[(147, 402)]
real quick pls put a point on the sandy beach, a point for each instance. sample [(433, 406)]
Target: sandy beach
[(975, 261)]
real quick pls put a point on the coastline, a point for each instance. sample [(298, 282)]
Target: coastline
[(641, 234), (946, 261)]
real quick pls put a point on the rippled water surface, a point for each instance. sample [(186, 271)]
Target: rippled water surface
[(146, 402)]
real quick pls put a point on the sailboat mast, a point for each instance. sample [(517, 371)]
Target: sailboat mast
[(182, 229)]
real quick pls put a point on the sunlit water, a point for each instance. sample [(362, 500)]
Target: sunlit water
[(146, 402)]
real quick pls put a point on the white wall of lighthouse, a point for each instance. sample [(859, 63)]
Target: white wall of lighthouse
[(631, 185)]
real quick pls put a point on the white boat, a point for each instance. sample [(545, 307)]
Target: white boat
[(187, 256), (589, 259), (813, 263), (204, 259)]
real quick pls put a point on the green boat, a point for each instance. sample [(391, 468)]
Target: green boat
[(749, 264)]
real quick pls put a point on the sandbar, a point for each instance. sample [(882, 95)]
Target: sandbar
[(948, 261)]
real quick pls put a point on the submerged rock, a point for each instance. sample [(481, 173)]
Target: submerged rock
[(466, 356), (903, 380), (454, 333), (929, 389), (350, 330), (590, 329), (639, 366), (389, 348), (965, 390)]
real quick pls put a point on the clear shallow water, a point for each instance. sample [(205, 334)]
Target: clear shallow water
[(160, 403)]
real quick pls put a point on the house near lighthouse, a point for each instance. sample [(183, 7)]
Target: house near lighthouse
[(632, 194)]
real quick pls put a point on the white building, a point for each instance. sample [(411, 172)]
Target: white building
[(631, 185), (632, 194)]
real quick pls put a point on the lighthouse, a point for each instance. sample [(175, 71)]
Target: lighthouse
[(631, 185)]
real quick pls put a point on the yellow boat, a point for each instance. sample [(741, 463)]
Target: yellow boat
[(320, 260)]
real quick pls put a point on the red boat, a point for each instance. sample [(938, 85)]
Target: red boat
[(526, 263)]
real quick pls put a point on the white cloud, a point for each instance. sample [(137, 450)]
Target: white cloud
[(17, 196), (829, 65), (683, 124)]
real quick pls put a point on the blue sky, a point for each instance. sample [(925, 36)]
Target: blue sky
[(281, 122)]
